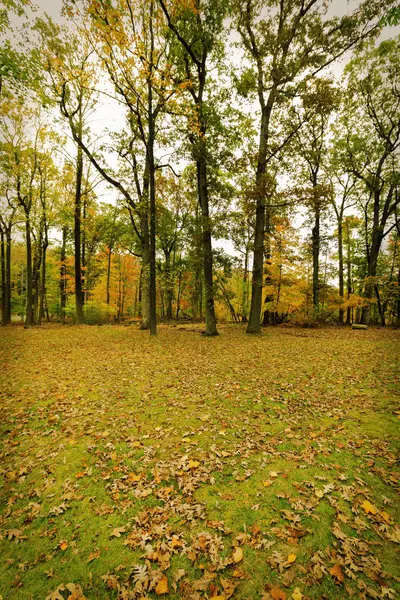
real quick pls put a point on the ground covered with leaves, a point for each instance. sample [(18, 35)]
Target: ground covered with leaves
[(244, 467)]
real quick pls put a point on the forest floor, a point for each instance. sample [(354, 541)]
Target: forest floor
[(241, 467)]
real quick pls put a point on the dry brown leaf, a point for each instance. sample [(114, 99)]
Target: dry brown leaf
[(277, 594), (337, 572), (116, 532), (237, 555)]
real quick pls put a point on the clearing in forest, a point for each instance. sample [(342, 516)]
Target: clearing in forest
[(241, 467)]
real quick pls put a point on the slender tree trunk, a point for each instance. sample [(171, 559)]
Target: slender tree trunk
[(178, 299), (43, 290), (8, 273), (3, 280), (341, 268), (63, 274), (245, 286), (316, 244), (254, 325), (211, 322), (152, 237), (349, 278), (29, 304), (169, 285), (77, 233), (83, 266), (108, 276), (144, 275)]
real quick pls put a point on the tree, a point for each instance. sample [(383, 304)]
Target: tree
[(287, 45), (372, 121), (197, 27)]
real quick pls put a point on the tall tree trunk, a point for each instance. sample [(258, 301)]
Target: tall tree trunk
[(144, 275), (63, 273), (268, 256), (349, 278), (83, 255), (316, 243), (341, 268), (152, 237), (77, 233), (8, 274), (43, 290), (245, 286), (169, 285), (3, 280), (211, 322), (372, 266), (108, 276), (29, 304), (152, 182), (254, 325)]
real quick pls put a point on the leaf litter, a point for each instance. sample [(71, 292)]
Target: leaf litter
[(240, 467)]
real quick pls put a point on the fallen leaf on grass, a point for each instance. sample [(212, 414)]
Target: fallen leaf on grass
[(237, 555), (93, 555), (76, 592), (369, 508), (162, 586), (56, 595), (116, 532), (63, 545), (277, 594), (337, 572), (291, 558), (297, 595)]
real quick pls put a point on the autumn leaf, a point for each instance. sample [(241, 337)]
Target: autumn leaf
[(337, 572), (116, 532), (162, 586), (237, 555), (277, 594), (291, 558), (297, 595), (93, 555), (369, 508), (63, 545), (193, 464)]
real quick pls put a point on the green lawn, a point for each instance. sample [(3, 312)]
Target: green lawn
[(242, 467)]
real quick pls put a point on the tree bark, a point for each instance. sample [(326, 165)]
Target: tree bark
[(316, 243), (349, 278), (77, 233), (3, 280), (341, 268), (63, 273), (211, 322), (108, 276), (254, 325), (43, 287), (169, 285), (144, 275), (29, 304)]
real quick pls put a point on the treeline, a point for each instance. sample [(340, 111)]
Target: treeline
[(223, 122)]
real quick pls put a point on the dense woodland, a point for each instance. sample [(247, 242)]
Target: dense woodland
[(200, 160)]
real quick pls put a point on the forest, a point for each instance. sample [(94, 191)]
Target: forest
[(175, 174), (218, 161)]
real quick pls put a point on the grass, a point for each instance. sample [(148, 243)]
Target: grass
[(125, 459)]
